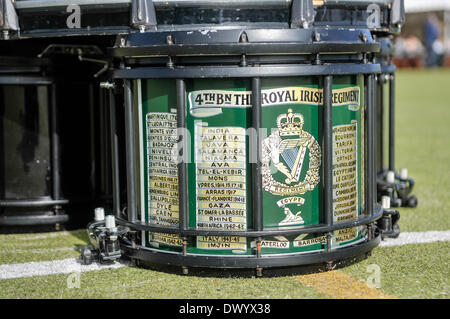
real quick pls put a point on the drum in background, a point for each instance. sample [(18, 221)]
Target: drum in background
[(379, 16), (396, 185), (37, 18), (54, 163), (74, 152), (384, 18)]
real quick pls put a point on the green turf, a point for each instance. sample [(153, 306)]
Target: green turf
[(134, 282), (20, 248), (422, 145), (410, 271)]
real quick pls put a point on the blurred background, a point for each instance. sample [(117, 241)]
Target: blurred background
[(425, 38)]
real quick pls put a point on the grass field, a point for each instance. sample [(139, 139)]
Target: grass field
[(409, 271)]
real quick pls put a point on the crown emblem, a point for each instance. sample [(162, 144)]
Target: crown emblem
[(290, 124)]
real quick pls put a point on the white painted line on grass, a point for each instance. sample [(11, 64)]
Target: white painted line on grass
[(45, 236), (35, 251), (52, 267), (417, 238)]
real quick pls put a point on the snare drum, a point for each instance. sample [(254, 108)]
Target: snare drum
[(249, 147)]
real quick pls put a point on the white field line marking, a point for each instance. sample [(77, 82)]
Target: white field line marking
[(53, 267), (36, 251), (417, 238), (71, 265), (45, 236)]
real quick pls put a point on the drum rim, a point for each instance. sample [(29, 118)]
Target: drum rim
[(155, 256), (246, 72), (245, 41), (33, 220)]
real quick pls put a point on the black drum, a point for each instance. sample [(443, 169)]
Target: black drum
[(55, 133), (249, 143), (396, 185), (247, 136), (55, 154)]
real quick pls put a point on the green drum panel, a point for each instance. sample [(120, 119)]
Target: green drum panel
[(221, 153), (159, 179)]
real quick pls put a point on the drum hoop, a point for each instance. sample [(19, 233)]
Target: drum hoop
[(154, 256), (246, 72)]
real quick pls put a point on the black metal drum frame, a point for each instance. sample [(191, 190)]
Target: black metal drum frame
[(318, 58), (398, 189), (300, 43), (66, 190)]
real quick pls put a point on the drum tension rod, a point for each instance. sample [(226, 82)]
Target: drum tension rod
[(104, 62), (78, 50)]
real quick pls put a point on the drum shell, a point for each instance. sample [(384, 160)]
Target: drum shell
[(26, 142), (53, 139), (153, 105)]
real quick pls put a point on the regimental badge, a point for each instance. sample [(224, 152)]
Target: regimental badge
[(284, 152)]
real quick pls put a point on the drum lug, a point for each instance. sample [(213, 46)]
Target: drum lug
[(243, 38), (10, 20), (364, 37), (170, 40), (397, 14), (302, 14), (107, 85), (316, 36), (143, 15)]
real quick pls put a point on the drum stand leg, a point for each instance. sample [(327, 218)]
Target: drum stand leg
[(396, 186)]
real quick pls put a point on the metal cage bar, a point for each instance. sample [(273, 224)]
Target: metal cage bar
[(130, 152), (182, 165), (256, 167), (380, 162), (54, 140), (374, 140), (369, 143), (367, 198), (114, 139), (372, 211), (327, 146), (313, 229), (391, 122)]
